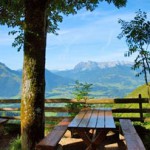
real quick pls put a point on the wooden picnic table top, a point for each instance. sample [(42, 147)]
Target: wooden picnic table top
[(93, 119)]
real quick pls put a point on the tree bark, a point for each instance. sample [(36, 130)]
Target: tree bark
[(33, 88)]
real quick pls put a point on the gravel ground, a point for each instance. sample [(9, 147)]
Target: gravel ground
[(112, 142)]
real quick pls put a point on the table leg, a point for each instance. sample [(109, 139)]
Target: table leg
[(92, 143), (99, 137), (85, 136)]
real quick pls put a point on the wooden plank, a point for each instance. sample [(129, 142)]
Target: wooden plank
[(64, 123), (85, 120), (114, 110), (140, 108), (131, 100), (63, 100), (117, 100), (60, 110), (76, 121), (52, 139), (6, 101), (56, 118), (127, 126), (9, 109), (130, 110), (126, 110), (63, 109), (100, 119), (131, 118), (146, 110), (2, 121), (93, 120), (11, 117), (100, 101), (133, 140), (90, 101), (109, 120)]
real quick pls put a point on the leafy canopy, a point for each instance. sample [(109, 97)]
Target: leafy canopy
[(81, 90), (137, 35), (12, 14)]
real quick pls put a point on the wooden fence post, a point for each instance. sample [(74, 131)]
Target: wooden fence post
[(140, 107)]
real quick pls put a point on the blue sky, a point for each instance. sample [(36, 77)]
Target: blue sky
[(82, 37)]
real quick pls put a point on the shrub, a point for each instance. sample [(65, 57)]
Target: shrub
[(15, 144)]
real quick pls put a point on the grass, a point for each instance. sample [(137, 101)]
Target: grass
[(143, 90), (143, 129), (15, 144)]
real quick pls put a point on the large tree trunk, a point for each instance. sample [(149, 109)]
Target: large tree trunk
[(33, 88)]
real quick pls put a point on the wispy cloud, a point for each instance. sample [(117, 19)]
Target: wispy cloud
[(89, 41), (82, 37)]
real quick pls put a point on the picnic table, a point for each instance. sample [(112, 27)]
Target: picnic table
[(95, 122)]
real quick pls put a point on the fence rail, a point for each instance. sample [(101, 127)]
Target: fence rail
[(136, 109)]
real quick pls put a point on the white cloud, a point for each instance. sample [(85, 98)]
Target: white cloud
[(82, 37), (5, 39)]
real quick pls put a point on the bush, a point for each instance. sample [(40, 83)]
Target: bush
[(15, 144), (81, 91)]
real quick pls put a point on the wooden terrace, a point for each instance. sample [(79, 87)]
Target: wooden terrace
[(128, 109)]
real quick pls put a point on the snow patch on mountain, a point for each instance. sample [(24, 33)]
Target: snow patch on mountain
[(91, 65)]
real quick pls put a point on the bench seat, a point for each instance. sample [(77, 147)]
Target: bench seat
[(50, 142), (2, 121), (133, 141)]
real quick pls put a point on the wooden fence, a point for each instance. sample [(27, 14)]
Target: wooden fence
[(136, 109)]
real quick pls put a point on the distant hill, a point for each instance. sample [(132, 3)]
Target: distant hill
[(10, 82), (55, 81), (108, 72), (143, 90), (109, 79)]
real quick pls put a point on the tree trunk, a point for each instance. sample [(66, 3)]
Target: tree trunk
[(33, 88)]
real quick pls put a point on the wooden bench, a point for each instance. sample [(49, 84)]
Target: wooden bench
[(50, 142), (132, 138), (2, 121)]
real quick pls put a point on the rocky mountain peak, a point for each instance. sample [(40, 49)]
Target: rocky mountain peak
[(91, 65), (82, 66)]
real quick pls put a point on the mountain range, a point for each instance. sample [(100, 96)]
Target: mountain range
[(109, 79)]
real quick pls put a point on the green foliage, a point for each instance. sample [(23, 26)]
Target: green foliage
[(9, 82), (108, 82), (143, 90), (15, 144), (81, 91), (137, 34), (26, 14), (140, 90), (12, 14)]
